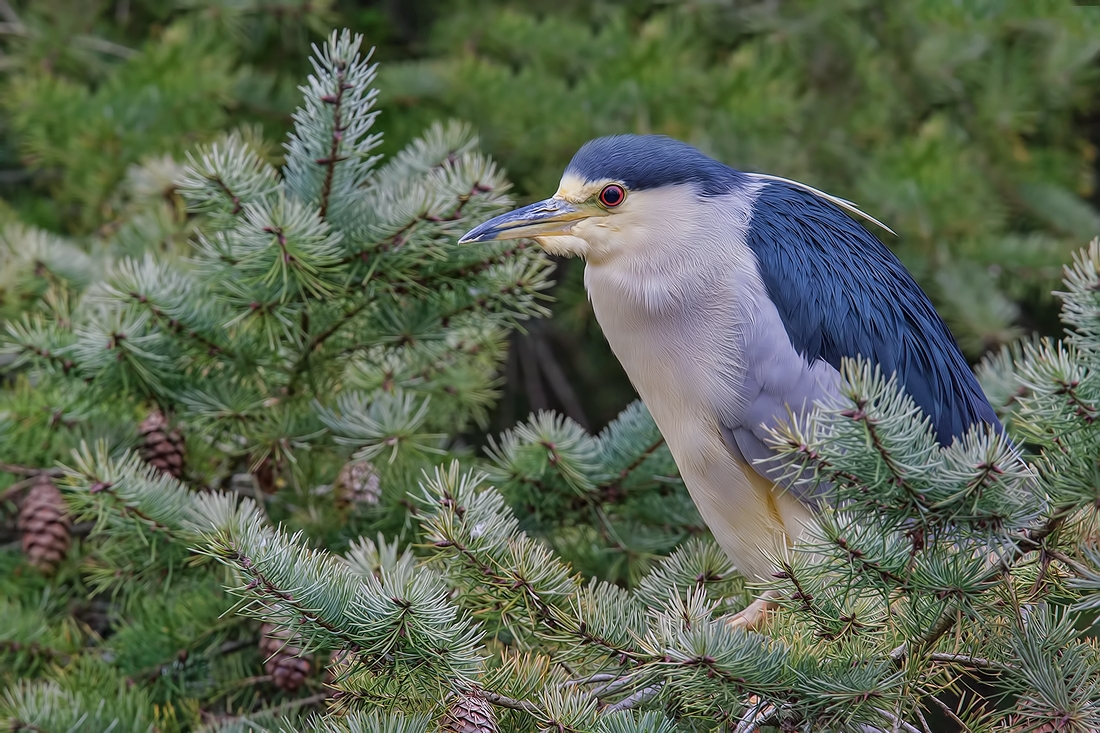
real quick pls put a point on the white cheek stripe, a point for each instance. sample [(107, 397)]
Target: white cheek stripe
[(576, 190)]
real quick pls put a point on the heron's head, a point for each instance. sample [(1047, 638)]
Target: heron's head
[(617, 194)]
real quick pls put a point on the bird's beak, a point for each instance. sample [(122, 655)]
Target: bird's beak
[(549, 218)]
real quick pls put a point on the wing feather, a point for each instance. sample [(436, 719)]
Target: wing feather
[(845, 204), (839, 292)]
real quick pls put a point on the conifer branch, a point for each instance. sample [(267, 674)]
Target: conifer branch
[(329, 162), (322, 337), (860, 415), (806, 600), (398, 239), (276, 710), (1082, 409), (11, 646), (898, 723), (1077, 568), (30, 470), (755, 716), (946, 710), (262, 585), (157, 671), (233, 198), (969, 661), (594, 679), (545, 611), (67, 365), (511, 703), (634, 700), (953, 614), (858, 558), (641, 458), (175, 326)]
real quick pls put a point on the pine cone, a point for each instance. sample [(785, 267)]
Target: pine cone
[(286, 663), (469, 713), (162, 447), (45, 524), (358, 483)]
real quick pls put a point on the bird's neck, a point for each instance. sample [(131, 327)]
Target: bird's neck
[(697, 261)]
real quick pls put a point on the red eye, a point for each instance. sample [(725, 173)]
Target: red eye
[(612, 195)]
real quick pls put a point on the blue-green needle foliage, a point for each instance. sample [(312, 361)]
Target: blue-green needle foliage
[(300, 318), (929, 561), (318, 325), (335, 272)]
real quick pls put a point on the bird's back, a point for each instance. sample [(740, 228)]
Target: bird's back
[(841, 293)]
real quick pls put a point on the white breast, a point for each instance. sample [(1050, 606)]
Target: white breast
[(673, 305), (676, 321), (665, 338)]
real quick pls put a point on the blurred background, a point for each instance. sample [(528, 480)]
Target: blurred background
[(971, 128)]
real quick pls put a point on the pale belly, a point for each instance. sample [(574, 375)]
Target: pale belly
[(681, 375)]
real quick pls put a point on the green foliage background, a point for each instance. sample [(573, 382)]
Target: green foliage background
[(970, 128)]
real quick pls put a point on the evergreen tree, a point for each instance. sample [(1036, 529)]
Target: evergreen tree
[(330, 555), (90, 88)]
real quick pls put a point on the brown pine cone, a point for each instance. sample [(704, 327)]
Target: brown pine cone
[(358, 483), (162, 446), (469, 713), (45, 524), (286, 663)]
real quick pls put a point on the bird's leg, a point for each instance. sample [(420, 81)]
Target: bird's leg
[(752, 616)]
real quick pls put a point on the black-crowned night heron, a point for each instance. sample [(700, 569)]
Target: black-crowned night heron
[(731, 298)]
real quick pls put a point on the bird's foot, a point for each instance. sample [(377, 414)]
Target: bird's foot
[(752, 616)]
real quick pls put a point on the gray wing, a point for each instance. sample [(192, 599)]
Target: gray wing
[(778, 381)]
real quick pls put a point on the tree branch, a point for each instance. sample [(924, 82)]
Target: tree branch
[(260, 581), (282, 707), (969, 661), (640, 459), (504, 701), (66, 365), (150, 674), (514, 581), (236, 201), (642, 695), (399, 238), (950, 616), (859, 414), (316, 341), (1079, 569), (898, 723), (947, 711), (175, 326), (30, 471), (756, 716), (337, 135)]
